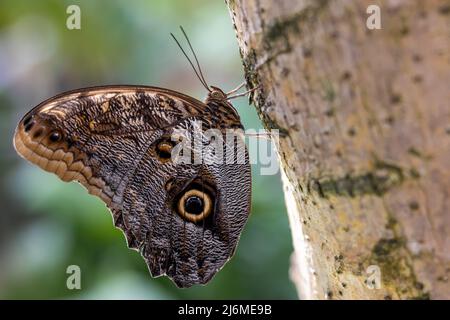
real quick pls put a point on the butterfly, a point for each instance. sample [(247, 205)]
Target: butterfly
[(184, 218)]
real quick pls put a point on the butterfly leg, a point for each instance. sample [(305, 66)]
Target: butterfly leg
[(243, 93), (237, 88)]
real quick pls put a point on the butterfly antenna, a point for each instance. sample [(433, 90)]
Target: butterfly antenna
[(190, 62), (195, 56)]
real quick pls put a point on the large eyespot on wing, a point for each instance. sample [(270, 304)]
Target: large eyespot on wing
[(194, 205)]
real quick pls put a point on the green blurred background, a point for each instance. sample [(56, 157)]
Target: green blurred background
[(45, 224)]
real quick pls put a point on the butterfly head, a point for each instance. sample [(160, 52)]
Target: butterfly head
[(216, 94)]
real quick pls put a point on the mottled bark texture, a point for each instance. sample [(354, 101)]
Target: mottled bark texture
[(366, 152)]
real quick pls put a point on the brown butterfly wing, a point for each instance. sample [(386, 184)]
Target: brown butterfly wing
[(107, 138)]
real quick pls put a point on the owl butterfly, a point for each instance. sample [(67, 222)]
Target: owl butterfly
[(185, 219)]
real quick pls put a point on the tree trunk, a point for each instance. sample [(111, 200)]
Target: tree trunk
[(366, 147)]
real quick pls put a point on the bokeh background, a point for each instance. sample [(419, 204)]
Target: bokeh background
[(47, 225)]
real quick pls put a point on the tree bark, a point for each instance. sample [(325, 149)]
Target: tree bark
[(366, 147)]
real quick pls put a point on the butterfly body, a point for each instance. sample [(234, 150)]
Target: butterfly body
[(184, 218)]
